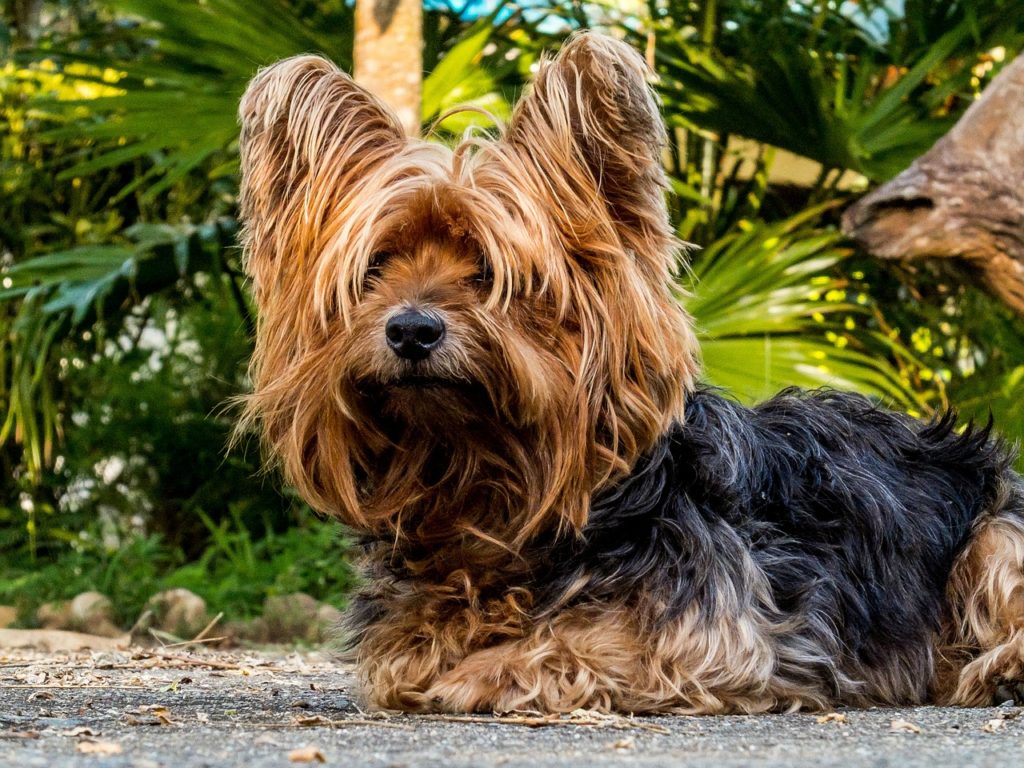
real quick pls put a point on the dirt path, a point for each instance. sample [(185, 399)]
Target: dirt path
[(176, 708)]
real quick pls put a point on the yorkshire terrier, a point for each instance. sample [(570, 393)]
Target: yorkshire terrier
[(475, 359)]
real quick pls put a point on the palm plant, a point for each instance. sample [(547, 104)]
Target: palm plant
[(147, 177), (856, 89), (772, 311), (178, 98), (817, 79)]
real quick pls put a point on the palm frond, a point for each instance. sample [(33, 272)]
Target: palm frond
[(773, 311), (88, 289)]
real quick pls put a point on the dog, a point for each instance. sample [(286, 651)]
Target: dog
[(473, 357)]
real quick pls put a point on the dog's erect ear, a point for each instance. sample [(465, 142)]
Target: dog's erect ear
[(591, 122), (308, 134)]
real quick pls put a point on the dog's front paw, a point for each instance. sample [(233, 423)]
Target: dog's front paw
[(475, 685), (994, 677)]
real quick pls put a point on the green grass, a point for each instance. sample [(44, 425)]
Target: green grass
[(234, 574)]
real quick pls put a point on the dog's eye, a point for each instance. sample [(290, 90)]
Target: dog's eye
[(484, 274), (375, 266)]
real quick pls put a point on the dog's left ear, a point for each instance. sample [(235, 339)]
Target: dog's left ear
[(591, 123)]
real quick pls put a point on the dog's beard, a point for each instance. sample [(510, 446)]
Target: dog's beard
[(446, 466)]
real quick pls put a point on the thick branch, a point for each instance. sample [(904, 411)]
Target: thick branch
[(964, 198), (25, 16)]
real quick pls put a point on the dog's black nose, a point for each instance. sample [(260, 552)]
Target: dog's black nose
[(413, 334)]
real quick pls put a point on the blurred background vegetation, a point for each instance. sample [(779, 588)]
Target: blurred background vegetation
[(125, 323)]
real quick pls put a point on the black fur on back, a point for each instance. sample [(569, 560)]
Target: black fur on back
[(853, 514)]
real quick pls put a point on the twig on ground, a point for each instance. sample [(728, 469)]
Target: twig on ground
[(187, 661), (196, 642), (319, 721), (592, 720), (200, 637)]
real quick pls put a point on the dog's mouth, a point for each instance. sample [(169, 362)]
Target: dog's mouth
[(420, 381), (424, 396), (427, 401), (443, 407)]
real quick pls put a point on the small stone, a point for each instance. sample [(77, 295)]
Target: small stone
[(329, 617), (291, 617), (92, 747), (832, 717), (903, 726), (93, 613), (109, 659), (54, 615), (88, 612), (8, 615), (180, 612), (295, 617), (994, 725)]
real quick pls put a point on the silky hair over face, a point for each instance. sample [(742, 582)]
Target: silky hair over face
[(546, 249)]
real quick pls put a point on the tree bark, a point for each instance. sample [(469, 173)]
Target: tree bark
[(389, 55), (24, 14), (964, 198)]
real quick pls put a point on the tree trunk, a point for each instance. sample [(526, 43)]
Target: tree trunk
[(389, 55), (24, 15), (964, 198)]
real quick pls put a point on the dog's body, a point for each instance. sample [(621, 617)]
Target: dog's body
[(806, 553), (474, 358)]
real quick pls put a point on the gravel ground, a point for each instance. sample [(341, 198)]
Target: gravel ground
[(176, 708)]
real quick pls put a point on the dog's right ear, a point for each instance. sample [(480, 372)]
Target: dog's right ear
[(309, 133)]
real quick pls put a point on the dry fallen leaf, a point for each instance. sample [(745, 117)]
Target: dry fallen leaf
[(150, 714), (160, 712), (994, 725), (307, 755), (832, 717), (903, 726), (90, 747), (19, 734)]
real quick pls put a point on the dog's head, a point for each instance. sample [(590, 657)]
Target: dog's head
[(472, 338)]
